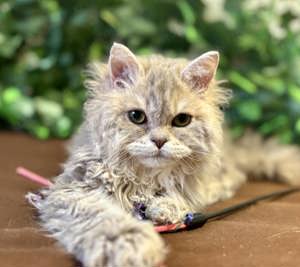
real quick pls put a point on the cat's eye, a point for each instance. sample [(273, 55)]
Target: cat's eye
[(181, 120), (137, 116)]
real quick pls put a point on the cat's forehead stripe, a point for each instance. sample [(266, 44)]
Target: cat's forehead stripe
[(164, 100), (156, 103)]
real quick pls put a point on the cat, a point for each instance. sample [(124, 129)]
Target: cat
[(153, 135)]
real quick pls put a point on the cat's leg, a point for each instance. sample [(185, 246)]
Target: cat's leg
[(166, 209), (91, 226), (267, 159)]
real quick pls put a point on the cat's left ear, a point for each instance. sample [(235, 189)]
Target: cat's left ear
[(201, 71), (123, 65)]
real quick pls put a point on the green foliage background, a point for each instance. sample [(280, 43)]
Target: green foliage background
[(44, 45)]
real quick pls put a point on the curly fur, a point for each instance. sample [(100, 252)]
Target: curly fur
[(112, 161)]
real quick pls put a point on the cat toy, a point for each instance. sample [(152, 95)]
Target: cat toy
[(191, 220)]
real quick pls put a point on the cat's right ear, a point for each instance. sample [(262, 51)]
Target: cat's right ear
[(123, 66)]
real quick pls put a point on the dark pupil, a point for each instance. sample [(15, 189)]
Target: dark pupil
[(137, 116), (181, 120)]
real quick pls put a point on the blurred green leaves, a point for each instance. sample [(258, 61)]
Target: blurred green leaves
[(15, 106), (250, 110), (40, 116), (242, 82), (44, 46)]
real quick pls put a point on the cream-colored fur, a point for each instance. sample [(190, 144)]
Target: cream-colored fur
[(114, 162)]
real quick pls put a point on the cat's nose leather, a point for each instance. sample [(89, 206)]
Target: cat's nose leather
[(159, 142)]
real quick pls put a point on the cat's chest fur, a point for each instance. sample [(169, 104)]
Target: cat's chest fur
[(139, 186)]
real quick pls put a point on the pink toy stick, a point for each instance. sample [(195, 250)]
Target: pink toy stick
[(33, 176), (169, 227)]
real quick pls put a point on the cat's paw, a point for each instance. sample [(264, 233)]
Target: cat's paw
[(164, 210), (138, 246)]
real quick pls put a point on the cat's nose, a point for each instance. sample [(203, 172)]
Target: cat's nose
[(159, 142)]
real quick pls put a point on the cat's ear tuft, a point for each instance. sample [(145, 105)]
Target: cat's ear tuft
[(201, 71), (123, 65)]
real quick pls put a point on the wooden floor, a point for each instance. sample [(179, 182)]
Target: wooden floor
[(267, 234)]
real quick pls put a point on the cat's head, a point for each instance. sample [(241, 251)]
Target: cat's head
[(155, 111)]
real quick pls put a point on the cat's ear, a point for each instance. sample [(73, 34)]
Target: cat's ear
[(123, 65), (200, 72)]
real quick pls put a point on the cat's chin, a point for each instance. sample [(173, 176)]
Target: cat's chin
[(155, 162)]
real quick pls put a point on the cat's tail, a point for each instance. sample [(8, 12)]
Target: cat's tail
[(268, 159)]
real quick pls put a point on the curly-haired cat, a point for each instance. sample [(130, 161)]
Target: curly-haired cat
[(152, 134)]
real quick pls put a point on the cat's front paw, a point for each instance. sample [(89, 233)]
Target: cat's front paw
[(165, 210), (138, 246)]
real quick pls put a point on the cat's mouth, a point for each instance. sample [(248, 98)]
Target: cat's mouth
[(157, 160), (156, 157), (160, 155)]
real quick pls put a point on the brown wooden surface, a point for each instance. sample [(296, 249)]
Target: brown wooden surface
[(267, 234)]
